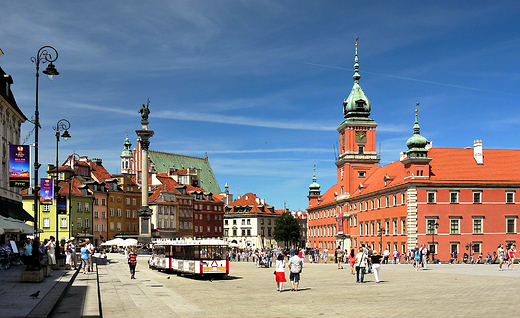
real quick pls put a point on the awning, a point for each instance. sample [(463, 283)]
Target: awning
[(14, 210), (12, 226)]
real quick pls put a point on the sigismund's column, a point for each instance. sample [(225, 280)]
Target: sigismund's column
[(144, 212)]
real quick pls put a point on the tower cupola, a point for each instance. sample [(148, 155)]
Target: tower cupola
[(356, 108), (314, 187), (127, 151), (417, 143)]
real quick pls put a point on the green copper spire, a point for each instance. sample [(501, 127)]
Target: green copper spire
[(127, 151), (417, 143), (356, 108), (314, 188)]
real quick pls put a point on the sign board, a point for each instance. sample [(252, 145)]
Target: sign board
[(46, 191), (19, 166)]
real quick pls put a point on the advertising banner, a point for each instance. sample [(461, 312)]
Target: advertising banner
[(62, 205), (19, 166), (340, 223), (46, 191)]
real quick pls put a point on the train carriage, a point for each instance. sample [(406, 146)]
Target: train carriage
[(191, 256)]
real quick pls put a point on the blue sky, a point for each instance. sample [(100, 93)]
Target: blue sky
[(259, 85)]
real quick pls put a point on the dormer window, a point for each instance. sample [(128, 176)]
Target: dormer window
[(361, 174)]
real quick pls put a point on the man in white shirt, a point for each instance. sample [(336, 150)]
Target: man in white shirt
[(90, 249), (296, 266)]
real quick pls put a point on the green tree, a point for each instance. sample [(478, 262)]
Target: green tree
[(287, 229)]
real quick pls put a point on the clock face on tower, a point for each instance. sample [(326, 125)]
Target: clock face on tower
[(361, 136)]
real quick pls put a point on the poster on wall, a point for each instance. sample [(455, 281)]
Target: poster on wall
[(46, 191), (19, 166), (62, 205)]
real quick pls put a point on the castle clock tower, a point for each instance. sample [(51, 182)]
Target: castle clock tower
[(357, 139)]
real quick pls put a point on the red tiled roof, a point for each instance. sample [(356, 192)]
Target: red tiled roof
[(451, 165)]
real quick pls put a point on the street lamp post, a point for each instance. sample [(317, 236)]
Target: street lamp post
[(432, 227), (45, 54), (61, 125), (469, 247), (381, 231)]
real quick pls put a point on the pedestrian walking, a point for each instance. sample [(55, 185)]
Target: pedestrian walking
[(132, 262), (352, 260), (90, 249), (73, 253), (501, 256), (280, 272), (511, 254), (376, 265), (296, 266), (84, 259), (339, 257), (51, 251), (417, 258), (68, 255), (361, 263)]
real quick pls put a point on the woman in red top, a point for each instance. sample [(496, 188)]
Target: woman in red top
[(352, 260), (132, 262), (512, 251)]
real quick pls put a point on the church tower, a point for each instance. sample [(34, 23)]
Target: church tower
[(314, 191), (357, 139), (126, 156)]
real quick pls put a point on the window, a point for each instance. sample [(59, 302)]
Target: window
[(226, 232), (243, 222), (128, 214), (127, 201), (46, 222), (430, 226), (87, 223), (477, 197), (119, 212), (80, 223), (87, 207), (361, 149), (477, 225), (510, 197), (234, 222), (454, 247), (103, 202), (361, 174), (119, 199), (111, 211), (96, 227), (196, 216), (111, 226), (186, 225), (111, 198), (454, 197), (134, 201), (431, 197), (134, 212), (269, 222), (248, 232), (454, 225), (248, 221), (118, 228), (361, 228), (209, 229), (96, 214), (243, 232), (477, 247), (403, 226), (63, 222), (103, 215), (234, 232), (511, 225), (208, 217), (46, 208), (394, 228), (80, 205)]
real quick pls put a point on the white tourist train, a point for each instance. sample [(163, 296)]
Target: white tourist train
[(206, 256)]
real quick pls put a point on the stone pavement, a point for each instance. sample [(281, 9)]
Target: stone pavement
[(14, 295), (440, 291)]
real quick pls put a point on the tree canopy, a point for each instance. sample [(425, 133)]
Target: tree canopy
[(287, 229)]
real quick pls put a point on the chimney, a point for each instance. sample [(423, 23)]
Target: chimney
[(477, 152)]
